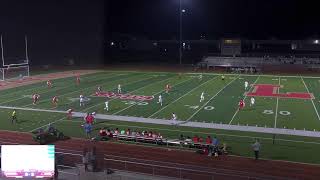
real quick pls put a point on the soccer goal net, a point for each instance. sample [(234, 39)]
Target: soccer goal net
[(17, 72), (14, 56)]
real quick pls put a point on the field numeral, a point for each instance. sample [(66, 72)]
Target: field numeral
[(135, 103), (207, 108), (284, 113)]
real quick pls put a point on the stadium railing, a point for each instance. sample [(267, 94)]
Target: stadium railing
[(161, 169)]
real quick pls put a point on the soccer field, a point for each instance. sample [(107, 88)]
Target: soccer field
[(290, 102)]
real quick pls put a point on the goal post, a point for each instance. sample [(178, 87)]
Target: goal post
[(14, 68)]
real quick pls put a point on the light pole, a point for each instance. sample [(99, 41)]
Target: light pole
[(180, 29)]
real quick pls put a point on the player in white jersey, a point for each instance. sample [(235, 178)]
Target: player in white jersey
[(246, 84), (119, 88), (107, 105), (81, 100), (160, 100), (202, 97), (174, 119), (252, 101), (200, 77)]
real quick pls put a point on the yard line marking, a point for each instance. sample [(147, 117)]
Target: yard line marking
[(245, 96), (49, 90), (49, 99), (161, 109), (152, 95), (310, 99), (52, 122), (277, 105), (84, 109), (211, 99), (127, 93)]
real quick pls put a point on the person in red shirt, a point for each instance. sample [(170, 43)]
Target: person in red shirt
[(49, 84), (208, 140), (69, 113), (89, 119), (195, 139), (55, 101), (241, 104), (35, 98)]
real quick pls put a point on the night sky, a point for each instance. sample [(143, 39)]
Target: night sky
[(253, 19), (60, 29)]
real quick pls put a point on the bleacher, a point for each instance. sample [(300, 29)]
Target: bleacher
[(257, 62)]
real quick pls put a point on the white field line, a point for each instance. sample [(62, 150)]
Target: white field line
[(31, 89), (52, 122), (211, 98), (311, 99), (152, 95), (48, 90), (277, 106), (199, 132), (128, 93), (243, 100), (183, 96), (83, 110), (83, 89)]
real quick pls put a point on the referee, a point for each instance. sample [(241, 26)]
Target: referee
[(14, 117)]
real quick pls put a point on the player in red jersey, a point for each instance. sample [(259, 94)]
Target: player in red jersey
[(49, 84), (242, 104), (168, 88), (55, 101), (35, 98), (69, 113), (78, 80)]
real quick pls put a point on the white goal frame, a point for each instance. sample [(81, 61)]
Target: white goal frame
[(15, 65)]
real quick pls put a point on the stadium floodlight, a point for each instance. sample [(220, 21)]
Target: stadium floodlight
[(316, 41), (183, 10), (112, 43)]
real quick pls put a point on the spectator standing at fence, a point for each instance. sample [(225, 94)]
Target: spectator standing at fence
[(256, 148)]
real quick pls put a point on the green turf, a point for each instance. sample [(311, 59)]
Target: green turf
[(220, 105)]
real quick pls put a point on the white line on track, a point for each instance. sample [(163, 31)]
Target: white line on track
[(211, 99), (310, 99), (243, 100), (182, 96), (152, 95), (277, 105)]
